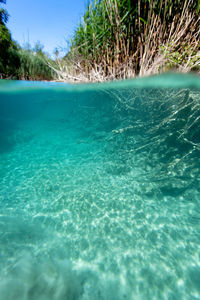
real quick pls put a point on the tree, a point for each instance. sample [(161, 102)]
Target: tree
[(18, 63), (38, 48), (9, 59), (3, 14)]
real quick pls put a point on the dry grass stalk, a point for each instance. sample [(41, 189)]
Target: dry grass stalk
[(118, 53)]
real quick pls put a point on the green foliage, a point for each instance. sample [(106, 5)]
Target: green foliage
[(33, 66), (3, 16), (3, 13), (113, 31), (38, 49), (18, 63), (9, 59), (186, 55)]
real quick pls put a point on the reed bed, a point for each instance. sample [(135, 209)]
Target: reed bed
[(33, 66), (119, 39)]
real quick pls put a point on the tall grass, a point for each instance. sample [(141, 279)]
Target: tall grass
[(33, 66), (24, 64), (124, 38)]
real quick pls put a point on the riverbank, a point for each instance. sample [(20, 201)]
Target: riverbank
[(115, 40), (119, 41)]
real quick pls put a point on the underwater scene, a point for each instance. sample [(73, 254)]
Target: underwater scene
[(100, 190)]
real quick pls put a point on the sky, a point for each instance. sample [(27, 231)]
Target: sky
[(50, 22)]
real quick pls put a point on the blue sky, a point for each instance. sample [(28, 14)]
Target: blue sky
[(50, 22)]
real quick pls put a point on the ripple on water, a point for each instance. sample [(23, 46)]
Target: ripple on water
[(101, 202)]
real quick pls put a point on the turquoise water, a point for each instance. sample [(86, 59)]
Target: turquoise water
[(100, 190)]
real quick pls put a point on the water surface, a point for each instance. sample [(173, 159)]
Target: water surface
[(100, 190)]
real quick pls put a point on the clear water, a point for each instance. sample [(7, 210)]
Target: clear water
[(100, 190)]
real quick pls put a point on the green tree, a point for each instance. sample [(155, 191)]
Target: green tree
[(19, 63), (3, 13), (38, 48), (9, 59)]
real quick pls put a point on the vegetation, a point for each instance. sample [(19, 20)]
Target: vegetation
[(116, 39), (8, 48), (18, 63), (33, 65), (125, 38)]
